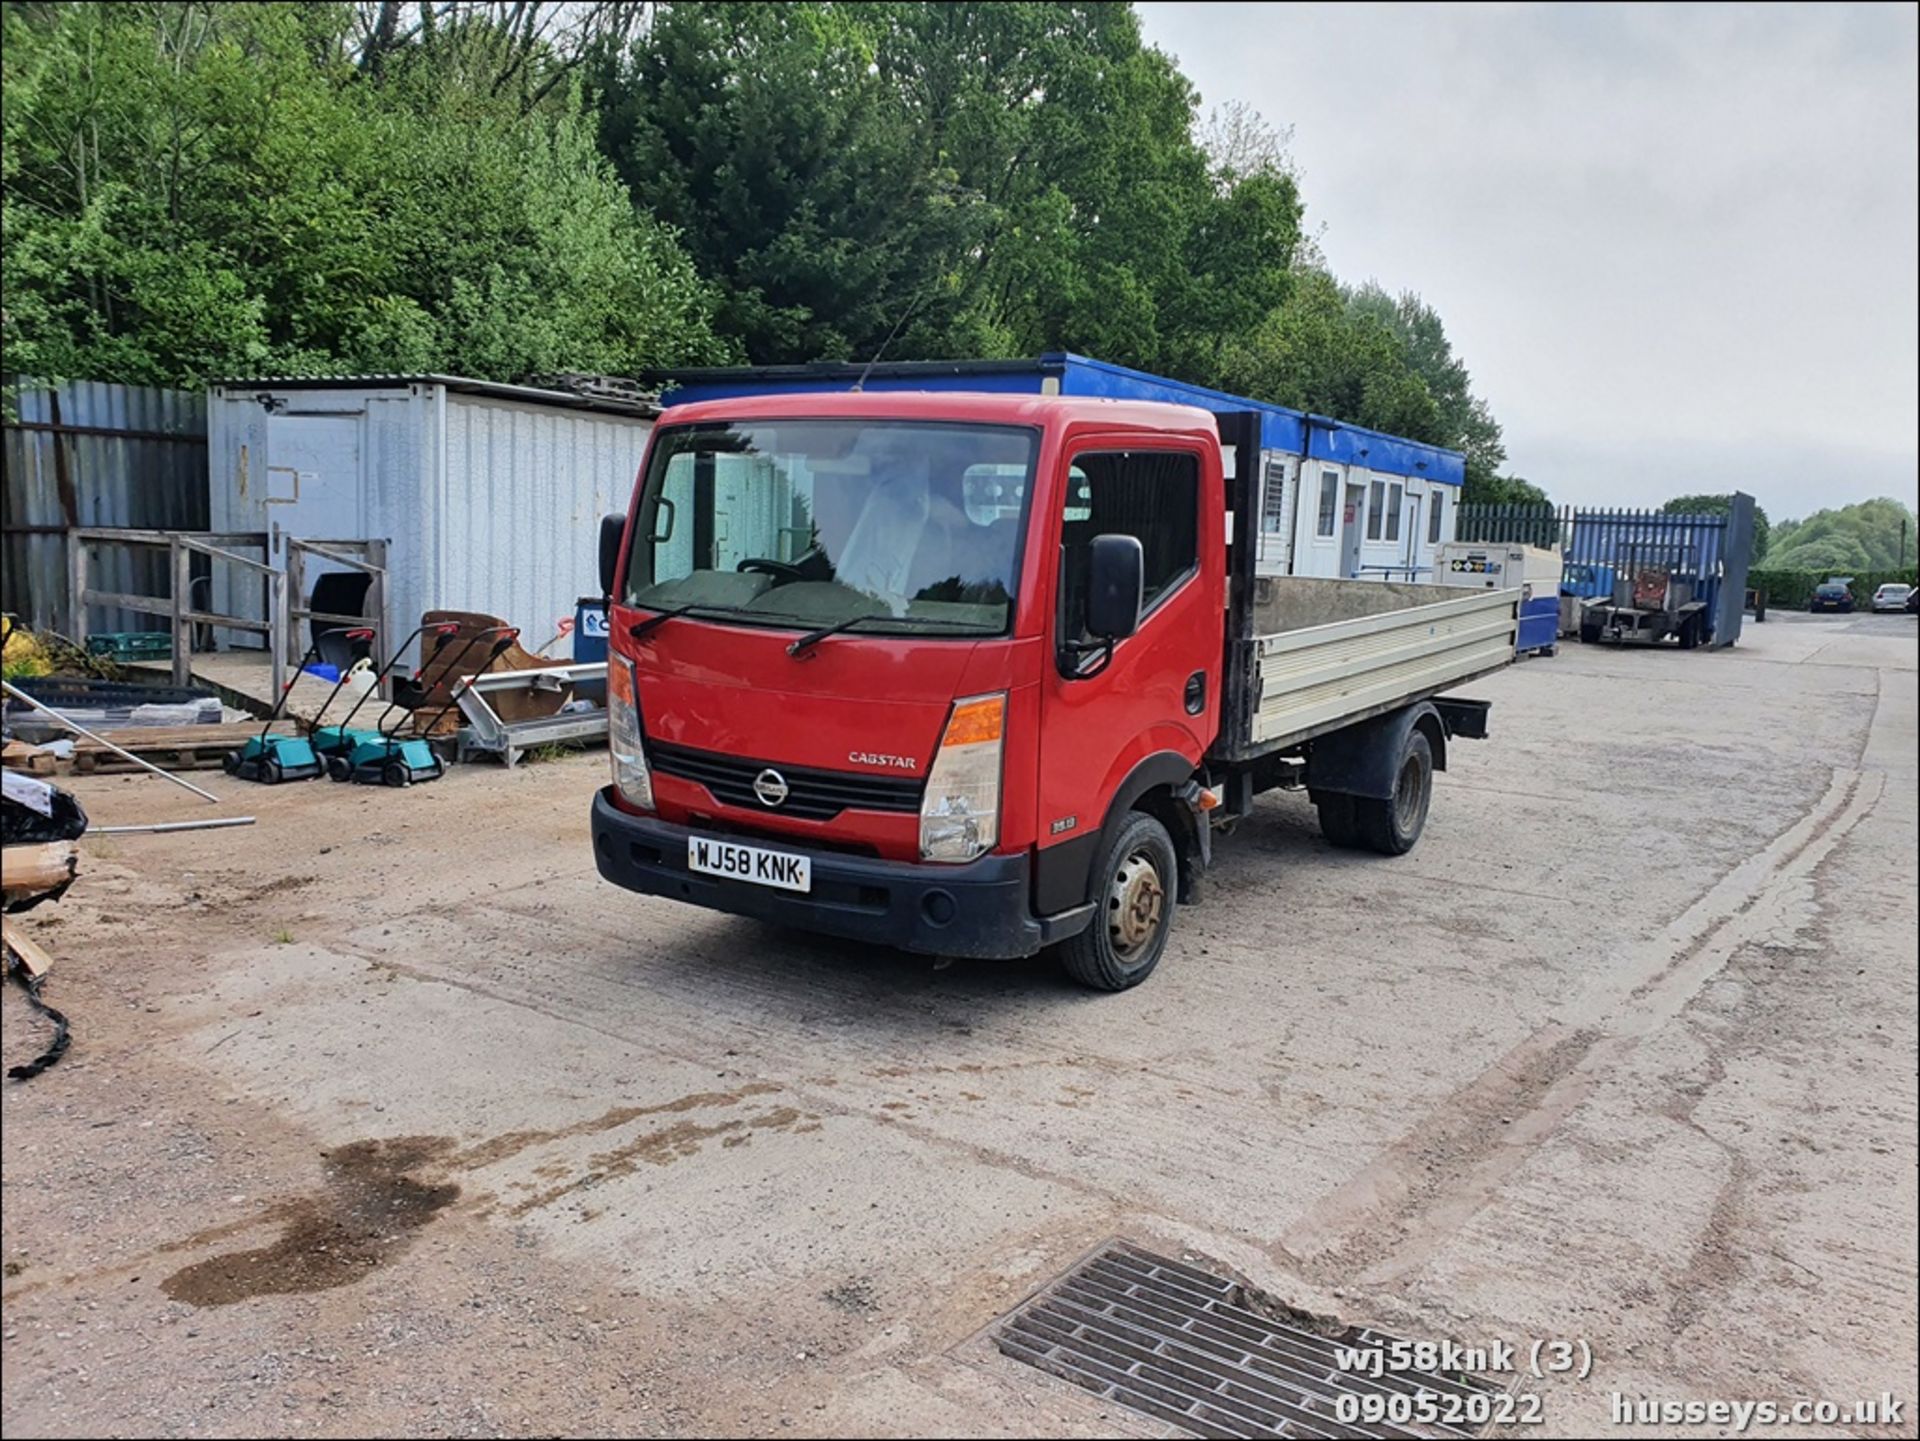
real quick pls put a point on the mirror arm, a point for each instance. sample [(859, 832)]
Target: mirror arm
[(1076, 651)]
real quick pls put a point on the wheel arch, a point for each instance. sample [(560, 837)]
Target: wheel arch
[(1364, 759), (1064, 873)]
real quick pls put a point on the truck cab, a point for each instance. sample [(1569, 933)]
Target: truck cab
[(938, 671)]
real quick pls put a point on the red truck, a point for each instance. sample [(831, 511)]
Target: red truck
[(974, 674)]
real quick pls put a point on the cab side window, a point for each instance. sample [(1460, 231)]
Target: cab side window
[(1153, 496)]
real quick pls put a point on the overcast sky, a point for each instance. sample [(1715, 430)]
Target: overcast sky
[(1676, 246)]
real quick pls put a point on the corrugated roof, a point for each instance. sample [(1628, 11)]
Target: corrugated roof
[(458, 384)]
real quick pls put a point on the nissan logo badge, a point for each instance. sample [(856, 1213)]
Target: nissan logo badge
[(770, 786)]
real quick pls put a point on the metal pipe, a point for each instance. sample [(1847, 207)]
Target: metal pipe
[(75, 726), (159, 826)]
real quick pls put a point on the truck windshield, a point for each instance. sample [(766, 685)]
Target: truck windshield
[(915, 526)]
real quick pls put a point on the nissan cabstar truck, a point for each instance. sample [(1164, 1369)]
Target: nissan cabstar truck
[(977, 675)]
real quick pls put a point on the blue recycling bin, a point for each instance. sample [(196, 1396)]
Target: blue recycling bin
[(590, 643)]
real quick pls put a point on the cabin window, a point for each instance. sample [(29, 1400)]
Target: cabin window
[(1393, 511), (1329, 503), (1153, 496), (1376, 508), (1433, 517)]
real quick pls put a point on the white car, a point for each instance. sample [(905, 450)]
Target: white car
[(1891, 596)]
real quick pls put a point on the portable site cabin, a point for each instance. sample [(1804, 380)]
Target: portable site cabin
[(1336, 500), (489, 496)]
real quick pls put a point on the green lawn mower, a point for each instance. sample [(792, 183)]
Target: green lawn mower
[(393, 760), (330, 741), (271, 759)]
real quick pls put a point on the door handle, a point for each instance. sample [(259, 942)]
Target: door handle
[(1196, 697)]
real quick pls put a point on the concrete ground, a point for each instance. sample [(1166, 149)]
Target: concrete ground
[(387, 1116)]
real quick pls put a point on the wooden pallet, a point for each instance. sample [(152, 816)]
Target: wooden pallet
[(19, 756), (174, 748)]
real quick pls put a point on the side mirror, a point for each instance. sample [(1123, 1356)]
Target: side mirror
[(1116, 571), (613, 529)]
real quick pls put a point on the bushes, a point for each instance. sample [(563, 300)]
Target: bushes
[(1793, 589)]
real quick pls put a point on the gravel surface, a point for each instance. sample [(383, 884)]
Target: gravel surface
[(386, 1116)]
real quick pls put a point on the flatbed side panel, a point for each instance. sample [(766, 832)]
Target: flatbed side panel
[(1309, 679)]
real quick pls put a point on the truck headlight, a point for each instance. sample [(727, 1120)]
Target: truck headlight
[(960, 812), (630, 775)]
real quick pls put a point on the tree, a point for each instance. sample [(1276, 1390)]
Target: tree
[(968, 180), (1502, 490), (1317, 353), (1721, 505), (197, 190), (1465, 421), (1872, 535)]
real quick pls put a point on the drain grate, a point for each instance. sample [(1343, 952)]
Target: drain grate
[(1182, 1346)]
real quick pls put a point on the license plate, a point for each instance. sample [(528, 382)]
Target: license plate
[(749, 863)]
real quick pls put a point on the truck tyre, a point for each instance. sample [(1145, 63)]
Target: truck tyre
[(1589, 633), (1392, 826), (1337, 821), (1134, 884), (1690, 632)]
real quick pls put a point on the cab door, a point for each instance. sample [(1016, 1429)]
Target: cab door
[(1155, 695)]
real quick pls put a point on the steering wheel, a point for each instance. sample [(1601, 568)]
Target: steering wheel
[(779, 569)]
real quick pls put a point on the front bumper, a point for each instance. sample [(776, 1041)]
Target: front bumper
[(981, 909)]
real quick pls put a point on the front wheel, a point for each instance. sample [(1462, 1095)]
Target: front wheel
[(1393, 825), (1589, 633), (1134, 883)]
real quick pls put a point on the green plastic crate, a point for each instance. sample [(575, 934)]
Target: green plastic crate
[(132, 645)]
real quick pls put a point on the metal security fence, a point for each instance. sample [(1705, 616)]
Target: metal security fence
[(1549, 527), (87, 454), (1716, 549)]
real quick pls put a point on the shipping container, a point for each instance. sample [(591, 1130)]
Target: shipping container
[(487, 495)]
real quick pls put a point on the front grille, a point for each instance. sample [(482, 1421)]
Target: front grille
[(813, 795)]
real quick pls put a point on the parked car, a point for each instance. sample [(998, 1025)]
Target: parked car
[(1831, 595), (1892, 597), (1913, 601)]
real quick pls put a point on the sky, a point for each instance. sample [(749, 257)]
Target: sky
[(1675, 245)]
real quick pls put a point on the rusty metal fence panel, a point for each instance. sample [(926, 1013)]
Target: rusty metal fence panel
[(90, 454)]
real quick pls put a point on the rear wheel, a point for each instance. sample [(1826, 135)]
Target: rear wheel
[(339, 768), (271, 771), (1392, 826), (396, 774), (1690, 633), (1589, 633), (1134, 884), (230, 762), (1337, 820)]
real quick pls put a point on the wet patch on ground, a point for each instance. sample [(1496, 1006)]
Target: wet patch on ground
[(361, 1218)]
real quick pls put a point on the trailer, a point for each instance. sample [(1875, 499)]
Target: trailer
[(1658, 594), (977, 675)]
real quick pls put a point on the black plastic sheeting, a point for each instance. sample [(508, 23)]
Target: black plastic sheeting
[(22, 825), (61, 1039)]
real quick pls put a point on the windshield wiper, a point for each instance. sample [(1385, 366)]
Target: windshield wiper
[(642, 628), (814, 637)]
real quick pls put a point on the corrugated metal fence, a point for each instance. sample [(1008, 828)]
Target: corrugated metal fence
[(88, 453)]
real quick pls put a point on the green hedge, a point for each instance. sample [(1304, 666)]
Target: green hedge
[(1793, 589)]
